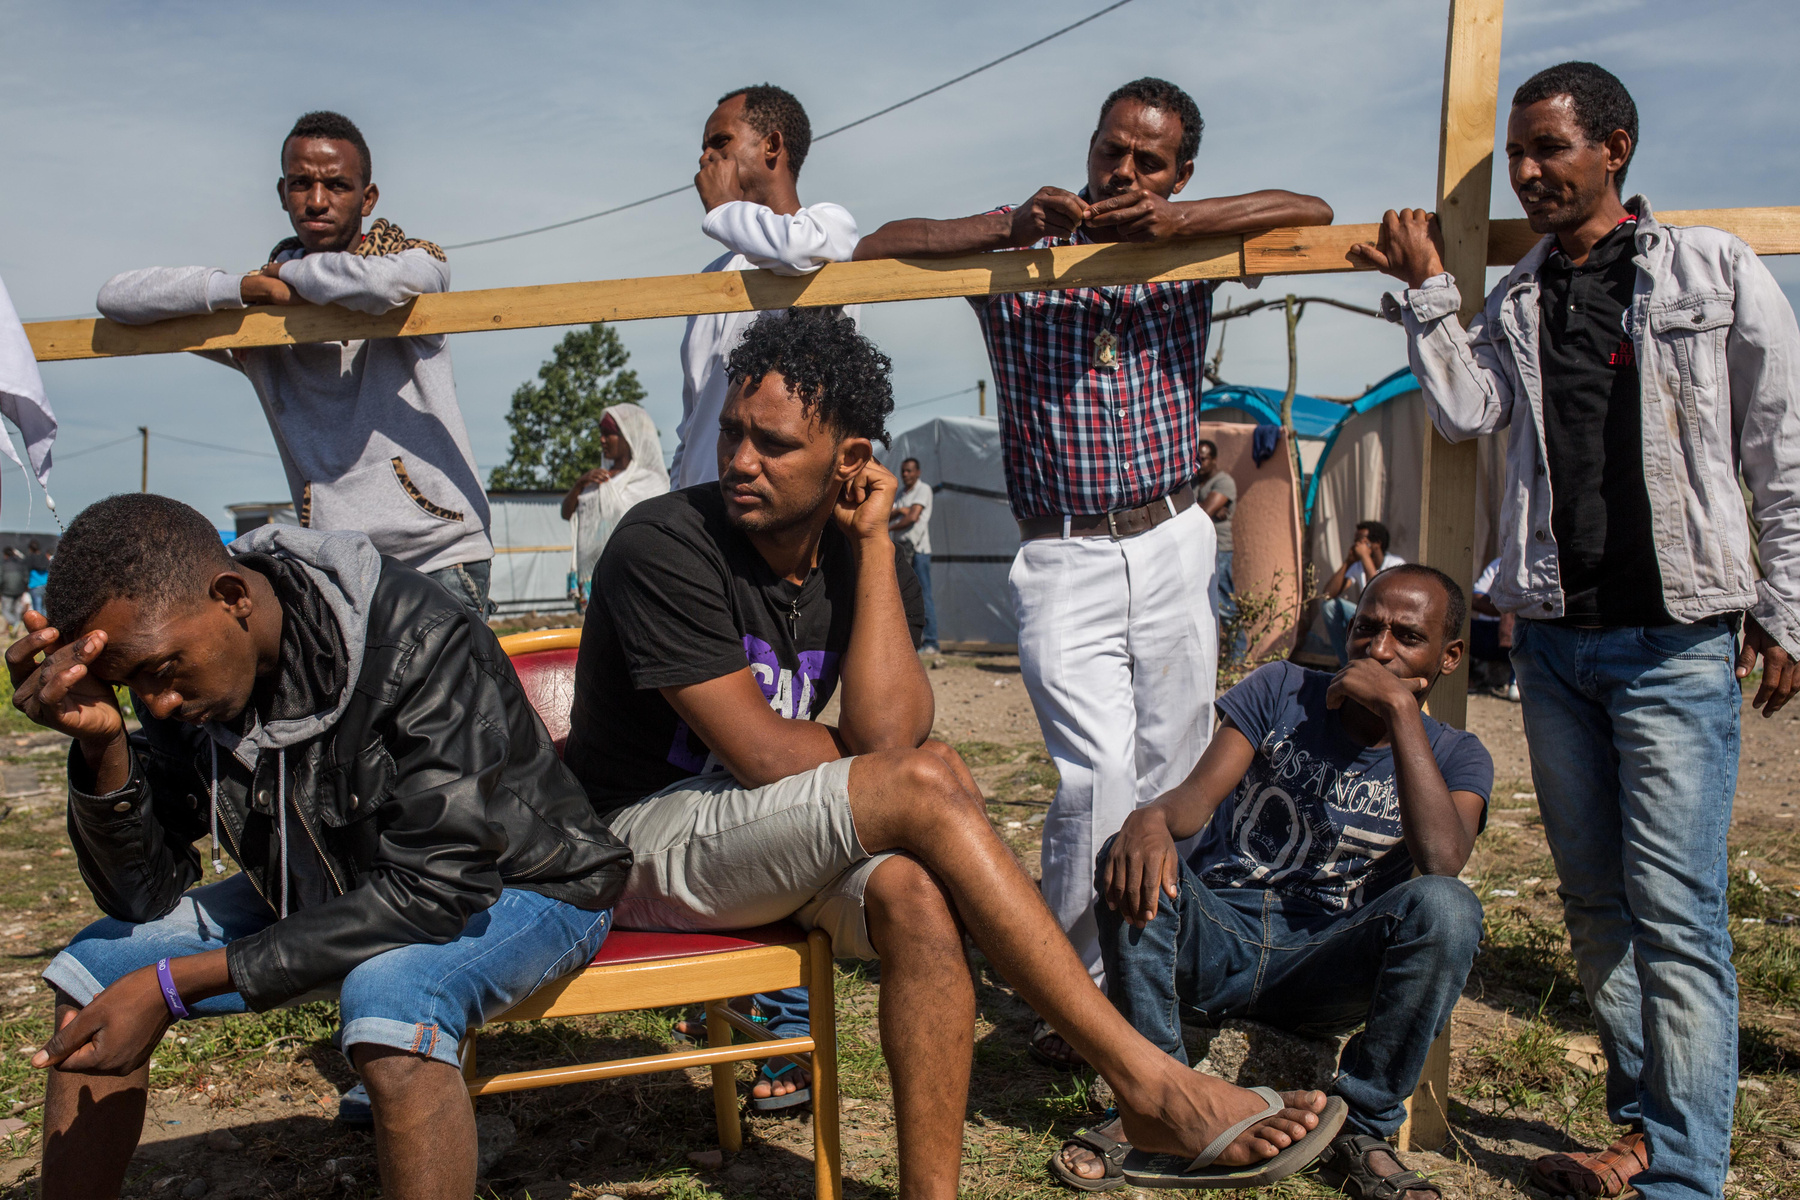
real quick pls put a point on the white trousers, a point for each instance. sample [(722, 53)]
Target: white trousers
[(1119, 649)]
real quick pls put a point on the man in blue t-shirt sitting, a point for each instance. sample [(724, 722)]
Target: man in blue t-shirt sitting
[(1319, 797)]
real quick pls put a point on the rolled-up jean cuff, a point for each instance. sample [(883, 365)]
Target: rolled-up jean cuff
[(437, 1041), (66, 974)]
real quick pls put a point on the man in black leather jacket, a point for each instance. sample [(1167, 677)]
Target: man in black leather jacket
[(362, 747)]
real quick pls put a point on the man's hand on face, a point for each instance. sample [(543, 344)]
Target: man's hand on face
[(1781, 671), (1136, 216), (1142, 868), (1375, 687), (1051, 213), (61, 693), (1410, 247), (265, 287), (717, 180), (114, 1034), (866, 503)]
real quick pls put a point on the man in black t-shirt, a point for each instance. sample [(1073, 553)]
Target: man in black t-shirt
[(723, 617)]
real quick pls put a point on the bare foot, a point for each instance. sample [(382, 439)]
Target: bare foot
[(1184, 1110), (789, 1083)]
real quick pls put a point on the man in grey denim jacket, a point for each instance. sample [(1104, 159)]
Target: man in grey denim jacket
[(1638, 368)]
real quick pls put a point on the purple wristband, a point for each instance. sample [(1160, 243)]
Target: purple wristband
[(171, 997)]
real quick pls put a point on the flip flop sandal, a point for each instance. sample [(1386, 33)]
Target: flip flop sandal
[(1606, 1173), (1345, 1166), (1146, 1170), (1039, 1032), (792, 1099), (1110, 1152), (354, 1110), (698, 1017)]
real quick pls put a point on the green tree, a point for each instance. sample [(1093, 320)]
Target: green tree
[(556, 421)]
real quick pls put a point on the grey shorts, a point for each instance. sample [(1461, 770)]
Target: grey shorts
[(710, 855)]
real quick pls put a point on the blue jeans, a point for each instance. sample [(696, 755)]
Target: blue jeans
[(1634, 749), (1224, 602), (468, 582), (922, 568), (1338, 615), (1396, 966), (420, 998)]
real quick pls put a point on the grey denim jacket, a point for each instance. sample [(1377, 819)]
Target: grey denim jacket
[(1718, 353)]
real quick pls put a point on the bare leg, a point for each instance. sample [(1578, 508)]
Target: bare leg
[(923, 802), (424, 1125), (91, 1126), (927, 1021)]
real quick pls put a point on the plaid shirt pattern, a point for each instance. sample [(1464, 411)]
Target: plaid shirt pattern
[(1079, 439)]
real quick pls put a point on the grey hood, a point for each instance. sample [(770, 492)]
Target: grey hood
[(346, 567)]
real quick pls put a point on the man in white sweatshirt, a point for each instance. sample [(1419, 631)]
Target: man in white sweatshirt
[(750, 157), (369, 432)]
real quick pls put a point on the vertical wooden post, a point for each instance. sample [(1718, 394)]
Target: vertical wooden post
[(1447, 497), (144, 474), (828, 1166), (981, 397), (724, 1075)]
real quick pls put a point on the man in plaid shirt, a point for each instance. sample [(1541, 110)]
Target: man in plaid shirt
[(1099, 393)]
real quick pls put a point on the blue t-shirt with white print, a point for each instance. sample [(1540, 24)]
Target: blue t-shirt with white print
[(1317, 816)]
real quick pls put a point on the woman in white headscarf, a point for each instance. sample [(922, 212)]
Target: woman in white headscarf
[(634, 472)]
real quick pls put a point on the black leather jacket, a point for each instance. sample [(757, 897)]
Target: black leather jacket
[(437, 786)]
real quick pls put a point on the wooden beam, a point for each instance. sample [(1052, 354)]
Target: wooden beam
[(1447, 492), (1304, 251)]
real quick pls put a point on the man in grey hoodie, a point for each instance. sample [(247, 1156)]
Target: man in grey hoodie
[(360, 744), (369, 431)]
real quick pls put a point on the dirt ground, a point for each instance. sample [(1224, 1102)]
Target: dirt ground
[(242, 1107)]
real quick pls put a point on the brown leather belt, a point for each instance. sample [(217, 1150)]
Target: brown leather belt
[(1116, 525)]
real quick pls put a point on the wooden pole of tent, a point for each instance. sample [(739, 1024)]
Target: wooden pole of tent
[(1447, 491)]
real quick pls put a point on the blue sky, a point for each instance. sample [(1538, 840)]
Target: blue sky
[(147, 134)]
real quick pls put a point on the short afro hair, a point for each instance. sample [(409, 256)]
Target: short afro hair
[(1600, 101), (768, 108), (1378, 533), (1456, 605), (828, 366), (1152, 92), (133, 546), (334, 127)]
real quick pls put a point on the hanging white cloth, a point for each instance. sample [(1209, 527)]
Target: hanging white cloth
[(22, 398), (600, 507)]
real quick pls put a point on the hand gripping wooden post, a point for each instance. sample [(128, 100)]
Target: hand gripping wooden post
[(1447, 492)]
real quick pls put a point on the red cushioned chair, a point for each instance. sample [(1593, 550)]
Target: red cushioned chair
[(669, 970)]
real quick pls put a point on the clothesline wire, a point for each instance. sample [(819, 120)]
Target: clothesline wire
[(675, 191)]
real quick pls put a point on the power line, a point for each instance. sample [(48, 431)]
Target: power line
[(130, 437), (607, 212), (213, 446), (935, 399)]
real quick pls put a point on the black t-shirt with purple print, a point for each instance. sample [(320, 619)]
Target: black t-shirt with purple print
[(680, 596)]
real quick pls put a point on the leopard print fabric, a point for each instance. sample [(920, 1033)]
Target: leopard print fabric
[(383, 237)]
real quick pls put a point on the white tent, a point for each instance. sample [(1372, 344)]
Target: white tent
[(532, 552), (973, 534)]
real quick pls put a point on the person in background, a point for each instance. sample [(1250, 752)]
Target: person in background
[(1368, 557), (751, 152), (1324, 894), (1490, 635), (911, 523), (37, 563), (15, 585), (1099, 403), (1218, 497), (1640, 370), (369, 432), (634, 471)]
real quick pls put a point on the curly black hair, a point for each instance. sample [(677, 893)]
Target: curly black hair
[(1600, 101), (334, 127), (133, 546), (827, 364), (1152, 92), (768, 108)]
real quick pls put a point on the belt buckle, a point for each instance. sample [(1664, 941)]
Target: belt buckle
[(1112, 526)]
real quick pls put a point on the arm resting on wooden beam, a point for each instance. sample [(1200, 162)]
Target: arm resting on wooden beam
[(1297, 251)]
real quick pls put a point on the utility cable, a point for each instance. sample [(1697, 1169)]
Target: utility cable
[(607, 212), (214, 446), (934, 399)]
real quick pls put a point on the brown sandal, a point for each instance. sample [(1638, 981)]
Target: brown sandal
[(1603, 1174)]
